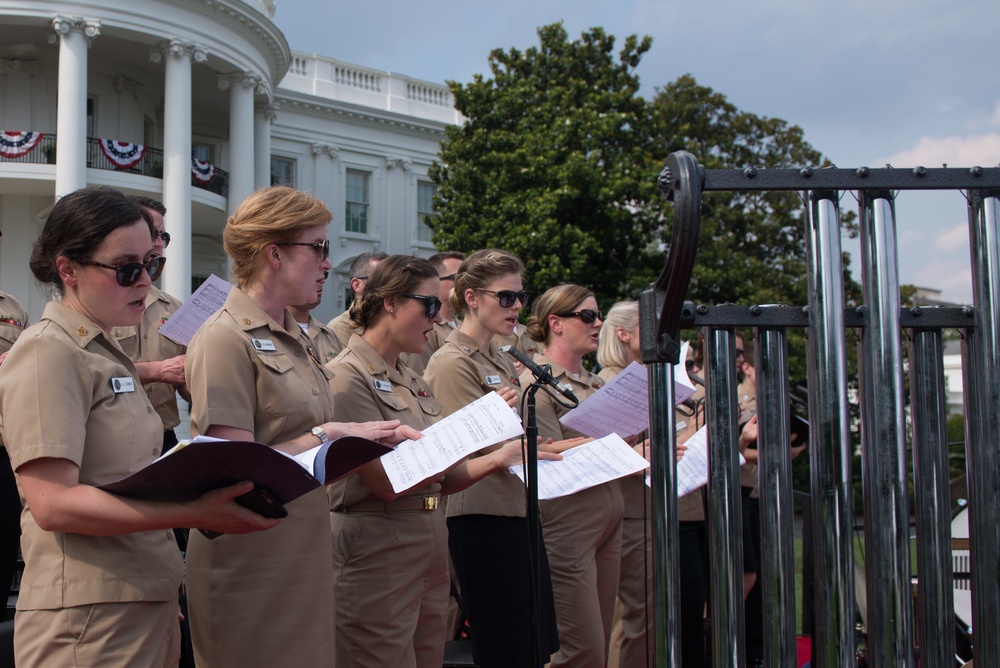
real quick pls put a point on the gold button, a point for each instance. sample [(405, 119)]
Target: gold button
[(371, 369), (81, 330), (246, 321)]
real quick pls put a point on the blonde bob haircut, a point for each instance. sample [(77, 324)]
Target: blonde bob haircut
[(560, 299), (268, 216), (478, 272), (611, 351)]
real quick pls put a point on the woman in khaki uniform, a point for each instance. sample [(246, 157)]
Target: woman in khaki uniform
[(251, 377), (486, 523), (101, 572), (13, 320), (583, 531), (390, 549)]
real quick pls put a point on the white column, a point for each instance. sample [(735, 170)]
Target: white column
[(177, 160), (74, 35), (264, 115), (241, 87)]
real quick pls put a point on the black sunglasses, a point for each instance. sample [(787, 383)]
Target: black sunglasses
[(689, 365), (449, 277), (508, 297), (323, 249), (127, 274), (588, 316), (165, 236), (432, 305)]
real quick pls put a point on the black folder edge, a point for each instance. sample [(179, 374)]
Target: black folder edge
[(197, 468)]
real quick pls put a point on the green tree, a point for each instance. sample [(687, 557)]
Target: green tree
[(556, 164)]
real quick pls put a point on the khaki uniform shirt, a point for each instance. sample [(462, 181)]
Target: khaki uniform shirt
[(13, 320), (143, 343), (245, 370), (408, 400), (341, 328), (325, 344), (58, 399), (459, 373), (522, 341)]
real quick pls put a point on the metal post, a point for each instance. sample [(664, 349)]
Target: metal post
[(884, 473), (935, 632), (663, 480), (829, 438), (775, 477), (725, 519), (983, 424)]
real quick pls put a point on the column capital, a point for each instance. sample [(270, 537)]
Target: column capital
[(178, 47), (392, 161), (268, 109), (64, 25), (14, 65), (245, 79), (330, 149), (123, 83)]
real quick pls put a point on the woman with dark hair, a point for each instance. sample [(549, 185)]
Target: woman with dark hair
[(389, 548), (488, 530), (252, 376), (101, 572), (583, 531)]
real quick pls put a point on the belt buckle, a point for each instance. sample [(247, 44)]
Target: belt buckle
[(430, 503)]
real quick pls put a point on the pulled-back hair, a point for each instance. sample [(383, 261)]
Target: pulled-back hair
[(77, 225), (394, 276), (268, 216), (479, 271), (560, 299), (611, 351)]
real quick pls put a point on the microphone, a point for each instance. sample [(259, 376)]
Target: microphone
[(540, 374)]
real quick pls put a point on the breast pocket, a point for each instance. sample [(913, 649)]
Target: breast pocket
[(392, 407), (279, 389)]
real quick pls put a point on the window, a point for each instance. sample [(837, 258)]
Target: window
[(148, 131), (425, 209), (91, 116), (356, 215), (282, 172), (203, 152)]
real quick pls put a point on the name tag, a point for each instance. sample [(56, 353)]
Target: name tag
[(383, 385), (263, 344), (123, 384), (493, 380)]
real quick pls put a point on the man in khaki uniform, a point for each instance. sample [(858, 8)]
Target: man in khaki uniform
[(447, 264), (159, 360), (361, 269), (325, 344)]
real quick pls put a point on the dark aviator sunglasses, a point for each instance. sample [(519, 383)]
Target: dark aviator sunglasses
[(322, 248), (508, 297), (127, 274)]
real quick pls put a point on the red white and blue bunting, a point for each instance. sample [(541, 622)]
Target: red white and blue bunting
[(16, 144), (122, 154), (203, 171)]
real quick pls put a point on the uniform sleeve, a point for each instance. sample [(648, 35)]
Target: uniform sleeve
[(454, 380), (352, 398), (39, 374), (220, 376)]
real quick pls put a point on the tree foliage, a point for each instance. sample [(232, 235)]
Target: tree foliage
[(555, 164)]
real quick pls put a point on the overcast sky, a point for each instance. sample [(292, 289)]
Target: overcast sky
[(870, 81)]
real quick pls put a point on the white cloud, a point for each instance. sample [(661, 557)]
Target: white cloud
[(956, 151), (953, 238)]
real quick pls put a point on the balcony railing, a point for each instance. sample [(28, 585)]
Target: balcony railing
[(151, 163)]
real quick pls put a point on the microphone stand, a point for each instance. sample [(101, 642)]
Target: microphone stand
[(534, 526)]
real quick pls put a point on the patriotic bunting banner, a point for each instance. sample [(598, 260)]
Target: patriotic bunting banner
[(16, 144), (122, 154), (203, 172)]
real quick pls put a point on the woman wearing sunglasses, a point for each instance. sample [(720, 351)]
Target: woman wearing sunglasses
[(582, 531), (487, 530), (389, 548), (252, 377), (101, 572)]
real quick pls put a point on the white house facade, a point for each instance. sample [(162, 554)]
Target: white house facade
[(197, 103)]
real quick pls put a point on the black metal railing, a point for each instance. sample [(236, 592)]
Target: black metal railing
[(151, 163)]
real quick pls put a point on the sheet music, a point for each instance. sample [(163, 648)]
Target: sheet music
[(205, 301), (482, 423), (622, 405), (584, 466), (692, 469)]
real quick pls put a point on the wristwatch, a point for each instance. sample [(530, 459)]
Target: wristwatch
[(319, 433)]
